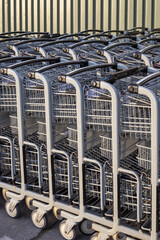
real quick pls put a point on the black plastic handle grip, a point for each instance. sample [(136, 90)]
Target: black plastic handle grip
[(74, 35), (60, 64), (98, 35), (7, 59), (88, 42), (149, 48), (60, 41), (113, 65), (92, 30), (123, 37), (149, 39), (51, 60), (132, 44), (34, 40)]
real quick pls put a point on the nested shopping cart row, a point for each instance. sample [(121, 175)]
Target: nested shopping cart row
[(80, 136), (34, 99), (130, 47)]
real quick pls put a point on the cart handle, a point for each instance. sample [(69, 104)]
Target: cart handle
[(7, 33), (92, 30), (98, 35), (140, 28), (59, 64), (149, 39), (73, 35), (124, 36), (133, 88), (51, 60), (62, 78), (13, 39), (133, 44), (30, 33), (134, 32), (47, 33), (155, 29), (152, 33), (59, 41), (149, 48), (16, 58), (33, 40), (114, 31), (88, 42), (112, 78), (5, 37)]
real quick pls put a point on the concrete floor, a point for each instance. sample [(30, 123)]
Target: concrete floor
[(23, 228)]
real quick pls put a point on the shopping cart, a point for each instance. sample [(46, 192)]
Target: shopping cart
[(121, 52), (10, 161), (12, 40), (82, 137), (140, 160), (98, 121), (27, 47), (87, 50), (56, 49), (151, 53)]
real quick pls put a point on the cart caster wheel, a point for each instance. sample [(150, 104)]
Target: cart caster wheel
[(86, 227), (15, 213), (94, 236), (39, 224), (28, 201), (57, 213), (72, 235), (4, 194)]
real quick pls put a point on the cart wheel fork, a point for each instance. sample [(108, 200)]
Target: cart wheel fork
[(39, 215), (69, 225)]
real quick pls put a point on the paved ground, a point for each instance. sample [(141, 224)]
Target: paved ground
[(23, 229)]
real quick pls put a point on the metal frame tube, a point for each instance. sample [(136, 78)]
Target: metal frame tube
[(154, 157), (80, 130), (19, 98), (48, 117), (115, 150), (139, 191), (102, 180), (70, 190), (12, 156), (40, 178)]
